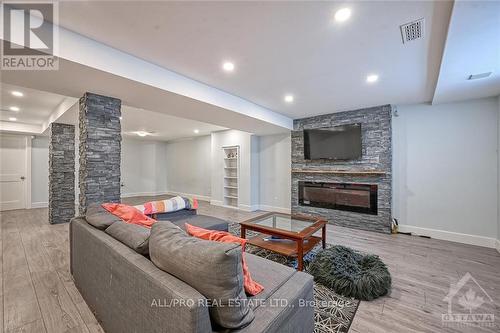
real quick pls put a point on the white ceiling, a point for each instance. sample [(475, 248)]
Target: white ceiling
[(279, 47), (161, 127), (35, 106), (472, 47), (137, 94)]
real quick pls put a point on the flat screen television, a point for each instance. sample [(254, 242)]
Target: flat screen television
[(334, 143)]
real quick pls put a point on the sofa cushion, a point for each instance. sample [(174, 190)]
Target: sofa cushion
[(100, 217), (203, 221), (134, 236), (174, 216), (252, 287), (212, 268), (270, 274)]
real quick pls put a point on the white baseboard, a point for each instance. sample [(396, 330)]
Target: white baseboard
[(450, 236), (216, 203), (248, 208), (152, 194), (498, 245), (221, 204), (143, 194), (190, 195), (41, 204), (275, 209)]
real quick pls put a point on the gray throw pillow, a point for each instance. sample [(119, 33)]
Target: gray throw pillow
[(100, 217), (212, 268), (134, 236)]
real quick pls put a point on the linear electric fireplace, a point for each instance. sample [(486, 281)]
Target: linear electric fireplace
[(360, 198)]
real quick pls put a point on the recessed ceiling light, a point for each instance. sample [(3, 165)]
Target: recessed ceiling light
[(17, 93), (196, 131), (288, 98), (120, 117), (14, 108), (372, 78), (12, 118), (142, 133), (343, 14), (228, 66)]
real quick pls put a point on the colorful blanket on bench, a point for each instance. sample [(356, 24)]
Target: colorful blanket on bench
[(166, 206)]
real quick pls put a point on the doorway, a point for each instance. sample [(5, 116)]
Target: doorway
[(14, 158)]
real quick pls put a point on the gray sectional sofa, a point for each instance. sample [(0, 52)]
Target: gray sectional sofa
[(128, 293)]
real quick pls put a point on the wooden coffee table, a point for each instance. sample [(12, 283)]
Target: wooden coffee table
[(295, 234)]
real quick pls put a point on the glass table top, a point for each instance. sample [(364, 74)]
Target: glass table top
[(283, 222)]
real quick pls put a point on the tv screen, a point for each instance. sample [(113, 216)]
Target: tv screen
[(336, 143)]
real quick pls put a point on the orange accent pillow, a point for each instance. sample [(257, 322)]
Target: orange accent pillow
[(129, 214), (251, 287)]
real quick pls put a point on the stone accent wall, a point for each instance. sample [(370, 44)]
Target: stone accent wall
[(61, 173), (377, 155), (100, 150)]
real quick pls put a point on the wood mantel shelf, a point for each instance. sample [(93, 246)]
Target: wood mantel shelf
[(343, 172)]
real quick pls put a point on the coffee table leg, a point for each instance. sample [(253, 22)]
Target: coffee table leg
[(300, 254), (323, 236), (243, 232)]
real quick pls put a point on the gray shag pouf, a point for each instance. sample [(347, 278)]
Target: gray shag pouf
[(351, 273)]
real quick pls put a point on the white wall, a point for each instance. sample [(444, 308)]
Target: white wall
[(188, 167), (264, 168), (248, 199), (275, 172), (498, 166), (143, 167), (40, 171), (254, 172), (445, 169)]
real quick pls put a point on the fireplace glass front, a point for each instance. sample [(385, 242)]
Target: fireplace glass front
[(360, 198)]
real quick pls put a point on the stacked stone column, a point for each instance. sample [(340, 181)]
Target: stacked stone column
[(61, 173), (100, 150)]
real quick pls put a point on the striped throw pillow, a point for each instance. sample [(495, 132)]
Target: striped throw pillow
[(166, 206)]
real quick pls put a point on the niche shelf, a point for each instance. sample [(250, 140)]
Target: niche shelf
[(231, 174)]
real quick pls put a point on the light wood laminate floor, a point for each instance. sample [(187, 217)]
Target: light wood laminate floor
[(38, 294)]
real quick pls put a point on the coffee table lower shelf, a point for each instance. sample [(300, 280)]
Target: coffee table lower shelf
[(287, 247)]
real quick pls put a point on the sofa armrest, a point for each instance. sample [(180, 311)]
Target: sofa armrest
[(289, 309), (127, 292)]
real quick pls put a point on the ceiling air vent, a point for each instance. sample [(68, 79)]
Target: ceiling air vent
[(412, 31), (479, 76)]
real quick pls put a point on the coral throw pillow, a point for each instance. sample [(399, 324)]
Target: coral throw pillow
[(251, 287), (129, 214)]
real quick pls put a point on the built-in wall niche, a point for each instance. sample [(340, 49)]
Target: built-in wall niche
[(231, 155)]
